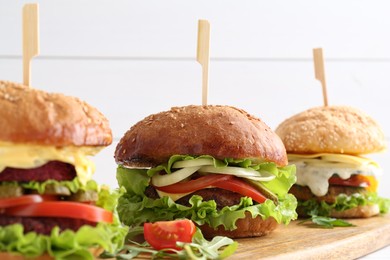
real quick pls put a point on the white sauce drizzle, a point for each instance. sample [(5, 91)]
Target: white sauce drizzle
[(316, 176)]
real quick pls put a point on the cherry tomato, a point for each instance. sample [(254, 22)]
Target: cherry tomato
[(61, 209), (165, 234), (25, 199), (356, 180), (226, 182)]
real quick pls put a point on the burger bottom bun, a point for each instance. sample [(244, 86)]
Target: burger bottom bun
[(303, 193), (366, 211), (358, 212), (96, 251), (246, 227)]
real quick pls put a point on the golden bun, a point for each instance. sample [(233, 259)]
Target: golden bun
[(32, 116), (357, 212), (331, 129), (219, 131), (246, 227), (366, 211)]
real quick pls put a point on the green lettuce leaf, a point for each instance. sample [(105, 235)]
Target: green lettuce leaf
[(285, 178), (327, 222), (69, 244), (73, 185), (343, 202), (200, 248), (134, 181), (62, 245), (135, 208)]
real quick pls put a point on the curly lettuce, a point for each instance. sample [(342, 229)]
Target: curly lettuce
[(73, 185), (68, 244), (343, 202), (135, 208)]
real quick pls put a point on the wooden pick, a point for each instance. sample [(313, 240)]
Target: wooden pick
[(30, 39), (203, 56), (320, 71)]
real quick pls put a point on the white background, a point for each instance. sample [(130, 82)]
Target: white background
[(133, 58)]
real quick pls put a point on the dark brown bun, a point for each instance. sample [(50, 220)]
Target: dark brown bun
[(32, 116), (219, 131), (331, 129), (246, 227)]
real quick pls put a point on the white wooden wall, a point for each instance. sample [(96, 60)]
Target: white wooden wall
[(133, 58)]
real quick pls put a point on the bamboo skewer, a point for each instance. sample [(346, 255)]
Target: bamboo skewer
[(320, 71), (203, 55), (30, 39)]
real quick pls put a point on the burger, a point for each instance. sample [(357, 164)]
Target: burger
[(49, 206), (327, 145), (216, 165)]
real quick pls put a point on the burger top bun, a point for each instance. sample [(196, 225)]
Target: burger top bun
[(331, 129), (31, 116), (219, 131)]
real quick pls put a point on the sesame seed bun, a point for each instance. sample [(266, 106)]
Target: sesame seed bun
[(337, 130), (219, 131), (331, 129), (31, 116)]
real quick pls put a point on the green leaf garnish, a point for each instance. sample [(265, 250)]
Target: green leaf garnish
[(328, 222), (200, 248)]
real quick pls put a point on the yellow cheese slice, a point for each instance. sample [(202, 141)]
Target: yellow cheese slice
[(331, 157), (173, 196), (32, 156)]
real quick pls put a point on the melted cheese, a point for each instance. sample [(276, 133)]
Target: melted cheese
[(173, 196), (330, 157), (32, 156), (315, 170)]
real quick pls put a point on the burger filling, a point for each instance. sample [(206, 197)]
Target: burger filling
[(334, 181), (52, 178), (44, 225), (206, 190), (31, 156), (47, 170), (49, 204)]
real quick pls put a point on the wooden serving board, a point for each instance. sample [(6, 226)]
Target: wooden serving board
[(304, 241)]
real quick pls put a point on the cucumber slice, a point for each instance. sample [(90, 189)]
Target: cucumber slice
[(168, 179), (247, 173), (193, 163)]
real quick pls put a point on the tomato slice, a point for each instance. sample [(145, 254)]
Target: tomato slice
[(242, 188), (25, 199), (356, 180), (61, 209), (227, 182), (194, 185), (165, 234)]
